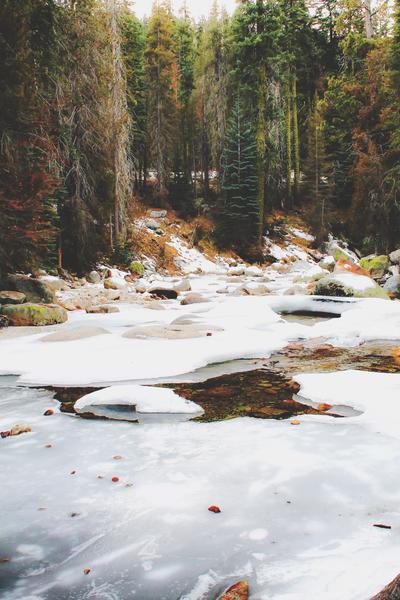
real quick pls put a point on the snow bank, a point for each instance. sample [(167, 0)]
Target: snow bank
[(144, 399), (190, 260)]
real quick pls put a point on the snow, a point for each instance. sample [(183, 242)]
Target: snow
[(298, 504), (189, 260), (359, 283), (156, 538), (301, 234), (144, 399)]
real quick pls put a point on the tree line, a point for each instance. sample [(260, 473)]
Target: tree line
[(285, 103)]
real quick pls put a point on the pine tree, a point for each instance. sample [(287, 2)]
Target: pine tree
[(162, 93), (240, 216)]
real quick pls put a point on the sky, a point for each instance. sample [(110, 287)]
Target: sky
[(196, 7)]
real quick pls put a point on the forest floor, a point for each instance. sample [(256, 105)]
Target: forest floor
[(278, 407)]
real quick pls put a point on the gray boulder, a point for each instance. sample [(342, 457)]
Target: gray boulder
[(34, 289), (93, 277), (12, 297), (194, 298), (395, 257), (158, 214), (392, 285)]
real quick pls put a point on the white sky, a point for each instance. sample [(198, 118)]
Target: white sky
[(197, 7)]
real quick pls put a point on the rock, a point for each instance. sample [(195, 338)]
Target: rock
[(349, 284), (193, 298), (57, 285), (103, 309), (345, 266), (34, 314), (253, 271), (158, 214), (137, 268), (253, 289), (294, 290), (390, 592), (73, 334), (338, 252), (183, 286), (35, 290), (239, 270), (395, 257), (328, 263), (214, 509), (238, 591), (110, 284), (152, 224), (168, 293), (376, 266), (20, 428), (392, 286), (93, 277), (140, 288), (12, 297), (68, 305), (4, 322)]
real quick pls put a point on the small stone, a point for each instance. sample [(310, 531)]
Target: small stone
[(48, 412), (86, 571), (117, 457), (5, 434), (48, 445), (295, 422), (4, 559), (128, 485), (100, 476), (72, 472), (214, 509), (115, 479), (20, 428), (324, 406), (42, 508), (74, 514)]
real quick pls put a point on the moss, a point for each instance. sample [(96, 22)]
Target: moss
[(329, 287), (375, 263), (137, 268), (373, 292), (34, 314)]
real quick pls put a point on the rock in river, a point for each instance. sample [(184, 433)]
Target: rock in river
[(35, 290), (12, 297), (34, 314)]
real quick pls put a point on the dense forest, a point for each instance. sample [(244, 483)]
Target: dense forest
[(287, 103)]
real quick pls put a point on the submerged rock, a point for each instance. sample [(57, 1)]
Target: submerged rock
[(93, 277), (75, 333), (102, 309), (34, 314), (167, 293), (34, 289), (12, 297)]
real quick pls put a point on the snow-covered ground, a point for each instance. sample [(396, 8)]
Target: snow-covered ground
[(298, 502)]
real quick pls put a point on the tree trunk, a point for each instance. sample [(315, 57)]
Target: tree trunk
[(288, 147), (296, 141), (261, 144), (367, 18)]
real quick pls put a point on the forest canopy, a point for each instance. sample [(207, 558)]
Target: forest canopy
[(284, 104)]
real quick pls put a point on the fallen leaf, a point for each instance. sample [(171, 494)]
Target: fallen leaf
[(129, 484), (74, 514), (87, 571), (48, 412), (48, 445), (115, 479), (4, 559), (324, 406), (5, 434), (382, 526), (214, 509), (72, 472), (20, 428), (295, 422), (117, 457), (100, 476)]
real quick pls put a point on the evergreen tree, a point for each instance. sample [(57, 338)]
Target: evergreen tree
[(161, 83), (240, 216)]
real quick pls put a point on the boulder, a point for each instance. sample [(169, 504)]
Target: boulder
[(238, 591), (392, 286), (183, 286), (57, 285), (339, 252), (111, 284), (345, 266), (348, 285), (93, 277), (165, 293), (171, 332), (158, 214), (253, 271), (103, 309), (377, 266), (328, 263), (137, 268), (34, 289), (12, 297), (194, 298), (152, 224), (34, 314), (20, 428), (395, 257)]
